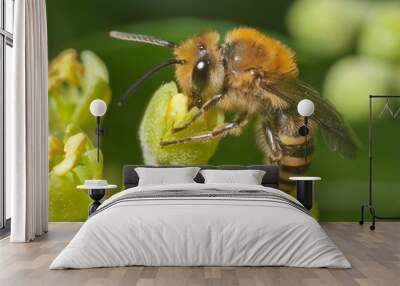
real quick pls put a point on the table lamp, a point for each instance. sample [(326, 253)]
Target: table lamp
[(98, 108), (305, 108)]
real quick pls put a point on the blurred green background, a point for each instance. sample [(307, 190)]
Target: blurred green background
[(346, 49)]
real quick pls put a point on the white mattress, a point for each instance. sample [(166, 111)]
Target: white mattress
[(191, 231)]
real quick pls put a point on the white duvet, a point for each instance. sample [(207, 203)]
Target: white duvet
[(200, 231)]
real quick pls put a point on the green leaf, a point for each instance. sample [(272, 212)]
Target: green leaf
[(94, 67), (94, 167), (66, 202), (96, 89)]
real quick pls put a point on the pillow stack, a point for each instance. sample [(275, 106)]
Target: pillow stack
[(184, 175)]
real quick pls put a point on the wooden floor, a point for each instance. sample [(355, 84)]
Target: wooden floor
[(375, 257)]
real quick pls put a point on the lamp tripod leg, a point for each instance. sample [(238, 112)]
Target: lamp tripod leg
[(372, 211), (361, 222)]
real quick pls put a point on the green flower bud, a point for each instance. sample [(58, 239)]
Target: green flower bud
[(350, 81), (380, 36), (326, 28), (168, 109)]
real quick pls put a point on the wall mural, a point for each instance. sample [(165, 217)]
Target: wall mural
[(158, 120)]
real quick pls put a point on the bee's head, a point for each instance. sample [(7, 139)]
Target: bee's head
[(202, 73), (199, 70)]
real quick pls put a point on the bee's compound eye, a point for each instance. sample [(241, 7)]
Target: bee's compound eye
[(200, 74)]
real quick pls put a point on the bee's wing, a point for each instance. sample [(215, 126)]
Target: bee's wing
[(337, 134)]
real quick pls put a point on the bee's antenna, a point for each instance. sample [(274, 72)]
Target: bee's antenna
[(147, 74), (142, 38)]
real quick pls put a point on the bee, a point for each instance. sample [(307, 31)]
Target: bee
[(251, 74)]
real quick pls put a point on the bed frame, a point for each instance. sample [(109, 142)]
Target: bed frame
[(270, 179)]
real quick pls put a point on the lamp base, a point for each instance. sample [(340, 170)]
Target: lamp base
[(96, 195), (304, 130)]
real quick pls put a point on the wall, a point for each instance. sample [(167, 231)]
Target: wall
[(85, 24)]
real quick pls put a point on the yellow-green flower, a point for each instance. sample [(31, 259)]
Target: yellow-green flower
[(168, 109)]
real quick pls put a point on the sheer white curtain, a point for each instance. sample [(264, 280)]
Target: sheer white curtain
[(27, 123)]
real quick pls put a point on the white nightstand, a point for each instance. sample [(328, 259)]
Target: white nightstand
[(305, 189), (96, 193)]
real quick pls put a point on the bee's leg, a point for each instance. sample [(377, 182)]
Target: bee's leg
[(206, 106), (268, 141), (239, 122)]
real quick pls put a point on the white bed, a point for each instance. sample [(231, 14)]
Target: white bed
[(269, 229)]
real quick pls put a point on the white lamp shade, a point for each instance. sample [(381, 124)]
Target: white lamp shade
[(305, 107), (98, 107)]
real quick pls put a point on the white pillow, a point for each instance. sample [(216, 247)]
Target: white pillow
[(164, 176), (248, 177)]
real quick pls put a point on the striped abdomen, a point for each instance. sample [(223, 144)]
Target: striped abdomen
[(296, 159), (282, 145)]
